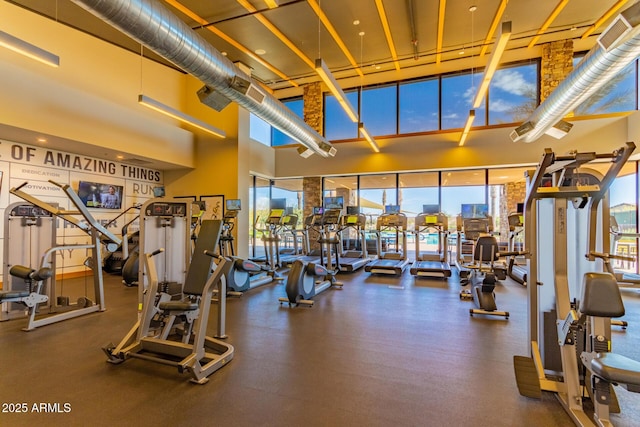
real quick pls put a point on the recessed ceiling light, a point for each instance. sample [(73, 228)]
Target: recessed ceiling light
[(377, 67), (260, 51), (473, 8), (461, 52), (224, 53), (41, 139), (361, 33), (356, 22), (119, 157)]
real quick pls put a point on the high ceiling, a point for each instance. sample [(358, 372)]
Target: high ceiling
[(281, 44)]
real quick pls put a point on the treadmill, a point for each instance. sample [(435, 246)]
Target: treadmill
[(515, 270), (430, 264), (390, 262), (353, 259)]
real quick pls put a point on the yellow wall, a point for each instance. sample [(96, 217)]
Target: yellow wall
[(92, 97)]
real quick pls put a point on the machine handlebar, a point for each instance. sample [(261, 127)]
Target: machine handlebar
[(156, 252), (21, 185), (212, 254)]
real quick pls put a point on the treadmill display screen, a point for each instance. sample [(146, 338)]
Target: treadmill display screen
[(233, 204), (477, 210), (352, 219), (333, 202), (392, 209), (430, 209)]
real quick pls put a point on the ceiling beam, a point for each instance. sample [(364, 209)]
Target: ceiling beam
[(494, 26), (554, 14), (191, 14), (276, 32), (440, 36), (387, 33), (608, 14), (327, 24)]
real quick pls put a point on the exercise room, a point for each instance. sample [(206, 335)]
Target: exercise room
[(319, 213)]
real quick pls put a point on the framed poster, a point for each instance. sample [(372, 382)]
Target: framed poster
[(214, 206)]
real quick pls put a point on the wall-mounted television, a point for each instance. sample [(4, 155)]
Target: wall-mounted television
[(99, 195), (474, 210), (431, 209), (392, 209), (333, 202), (233, 204), (520, 208)]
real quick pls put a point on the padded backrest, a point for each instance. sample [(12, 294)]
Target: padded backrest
[(200, 266), (601, 296), (487, 248)]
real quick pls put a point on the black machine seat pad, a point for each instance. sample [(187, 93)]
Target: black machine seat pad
[(178, 306), (601, 296), (487, 249), (616, 368), (200, 266), (28, 273), (5, 295)]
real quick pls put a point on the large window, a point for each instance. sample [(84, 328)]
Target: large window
[(259, 212), (279, 138), (419, 106), (337, 124), (259, 130), (507, 188), (458, 92), (461, 187), (376, 192), (342, 186), (618, 94), (513, 94), (378, 110)]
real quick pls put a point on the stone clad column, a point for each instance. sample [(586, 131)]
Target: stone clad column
[(556, 64)]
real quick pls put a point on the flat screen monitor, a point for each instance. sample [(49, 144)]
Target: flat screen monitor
[(98, 195), (474, 210), (353, 210), (278, 204), (392, 209), (430, 209), (233, 204), (158, 192), (317, 210), (520, 208), (333, 202)]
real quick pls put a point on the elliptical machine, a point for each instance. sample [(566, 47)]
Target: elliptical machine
[(241, 274), (306, 280)]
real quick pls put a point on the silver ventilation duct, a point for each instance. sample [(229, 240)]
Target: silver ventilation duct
[(617, 46), (155, 27)]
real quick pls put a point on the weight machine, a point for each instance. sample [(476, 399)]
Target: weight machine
[(58, 307), (566, 212)]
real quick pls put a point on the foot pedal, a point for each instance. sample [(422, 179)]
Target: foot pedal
[(527, 377)]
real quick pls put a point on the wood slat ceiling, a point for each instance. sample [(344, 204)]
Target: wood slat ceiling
[(238, 32)]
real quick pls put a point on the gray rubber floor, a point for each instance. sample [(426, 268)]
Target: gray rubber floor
[(384, 351)]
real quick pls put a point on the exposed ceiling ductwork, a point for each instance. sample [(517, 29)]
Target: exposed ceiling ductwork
[(617, 46), (155, 27)]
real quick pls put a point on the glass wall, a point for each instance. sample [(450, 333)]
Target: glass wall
[(262, 197), (259, 130), (344, 186), (419, 106), (616, 95), (379, 108), (337, 124), (461, 187), (279, 138), (376, 192), (415, 191), (513, 94), (507, 188), (458, 91)]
